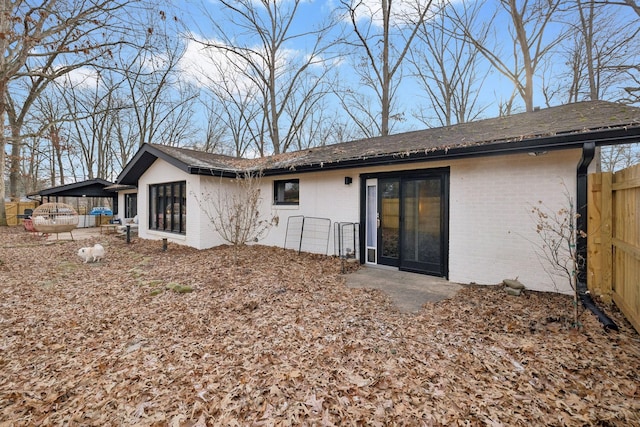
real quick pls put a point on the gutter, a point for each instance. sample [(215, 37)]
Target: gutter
[(588, 153)]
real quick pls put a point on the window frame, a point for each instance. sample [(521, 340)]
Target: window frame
[(280, 192), (168, 207)]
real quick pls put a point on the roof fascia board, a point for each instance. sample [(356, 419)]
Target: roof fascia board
[(138, 165), (197, 170), (66, 188), (553, 143)]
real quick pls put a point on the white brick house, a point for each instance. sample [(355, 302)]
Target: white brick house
[(453, 202)]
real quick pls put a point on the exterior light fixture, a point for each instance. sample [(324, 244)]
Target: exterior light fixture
[(348, 180)]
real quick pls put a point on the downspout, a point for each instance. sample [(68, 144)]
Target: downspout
[(588, 153)]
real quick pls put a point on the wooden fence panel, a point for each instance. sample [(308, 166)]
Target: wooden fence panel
[(626, 243), (613, 240), (599, 249), (13, 209)]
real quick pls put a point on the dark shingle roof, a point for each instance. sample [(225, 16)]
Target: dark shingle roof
[(559, 127), (91, 188)]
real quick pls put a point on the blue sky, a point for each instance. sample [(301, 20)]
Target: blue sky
[(409, 96), (311, 12)]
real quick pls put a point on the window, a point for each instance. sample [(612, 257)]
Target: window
[(130, 205), (168, 207), (286, 192)]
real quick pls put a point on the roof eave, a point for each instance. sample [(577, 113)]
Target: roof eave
[(70, 189), (548, 143), (222, 173), (620, 134), (142, 160)]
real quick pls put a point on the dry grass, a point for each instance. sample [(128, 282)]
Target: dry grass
[(189, 338)]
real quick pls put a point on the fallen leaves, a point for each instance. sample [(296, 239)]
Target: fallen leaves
[(276, 338)]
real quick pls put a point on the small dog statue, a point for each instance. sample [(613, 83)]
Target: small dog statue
[(95, 254)]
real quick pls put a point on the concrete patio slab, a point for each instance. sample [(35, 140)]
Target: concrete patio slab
[(78, 234), (408, 291)]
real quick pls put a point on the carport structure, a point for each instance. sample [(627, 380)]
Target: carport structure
[(91, 188)]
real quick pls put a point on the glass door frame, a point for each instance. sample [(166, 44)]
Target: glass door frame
[(370, 239), (443, 174)]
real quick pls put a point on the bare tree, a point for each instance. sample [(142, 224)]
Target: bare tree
[(528, 22), (257, 39), (91, 130), (215, 131), (110, 110), (383, 37), (601, 64), (33, 158), (160, 100), (618, 157), (326, 127), (447, 69), (598, 59), (506, 106), (235, 113), (41, 41)]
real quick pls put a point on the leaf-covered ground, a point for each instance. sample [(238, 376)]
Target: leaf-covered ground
[(265, 336)]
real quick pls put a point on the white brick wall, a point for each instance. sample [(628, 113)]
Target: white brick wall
[(492, 232), (322, 195), (161, 172)]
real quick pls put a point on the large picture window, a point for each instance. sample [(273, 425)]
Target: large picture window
[(286, 192), (168, 207)]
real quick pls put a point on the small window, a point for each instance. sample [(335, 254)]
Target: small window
[(286, 192)]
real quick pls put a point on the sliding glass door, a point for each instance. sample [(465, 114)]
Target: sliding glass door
[(411, 220), (422, 240), (389, 221)]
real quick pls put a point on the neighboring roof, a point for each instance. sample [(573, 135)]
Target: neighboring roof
[(118, 187), (562, 127), (89, 188)]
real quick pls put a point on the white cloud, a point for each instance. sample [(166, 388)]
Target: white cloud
[(203, 63), (402, 11), (83, 77)]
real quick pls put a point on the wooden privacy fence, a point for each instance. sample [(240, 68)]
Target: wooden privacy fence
[(613, 240), (13, 209)]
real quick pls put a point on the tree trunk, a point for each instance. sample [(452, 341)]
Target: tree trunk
[(587, 31), (14, 168), (55, 142), (3, 157), (521, 35), (3, 212), (386, 79)]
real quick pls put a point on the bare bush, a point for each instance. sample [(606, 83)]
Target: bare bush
[(558, 249), (234, 211)]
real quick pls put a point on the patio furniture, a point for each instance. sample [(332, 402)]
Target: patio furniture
[(54, 218)]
